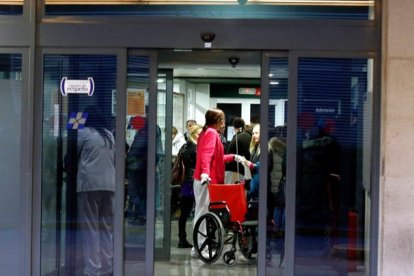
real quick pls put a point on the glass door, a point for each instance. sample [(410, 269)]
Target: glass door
[(143, 160), (163, 191), (15, 155), (333, 163), (319, 120), (275, 87), (97, 163), (78, 163)]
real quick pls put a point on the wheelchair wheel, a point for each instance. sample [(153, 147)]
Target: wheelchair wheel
[(230, 258), (208, 237), (246, 244)]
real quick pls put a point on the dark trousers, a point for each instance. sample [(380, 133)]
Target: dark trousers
[(186, 206)]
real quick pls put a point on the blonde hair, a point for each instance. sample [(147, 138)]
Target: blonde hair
[(193, 131), (252, 142), (174, 131)]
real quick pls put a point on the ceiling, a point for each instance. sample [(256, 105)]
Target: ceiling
[(212, 64)]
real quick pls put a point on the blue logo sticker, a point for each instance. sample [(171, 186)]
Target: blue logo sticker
[(77, 120)]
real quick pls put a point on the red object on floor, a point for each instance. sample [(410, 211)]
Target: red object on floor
[(352, 240), (234, 196)]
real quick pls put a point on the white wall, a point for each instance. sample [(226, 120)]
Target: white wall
[(245, 103), (197, 101), (397, 190), (201, 102)]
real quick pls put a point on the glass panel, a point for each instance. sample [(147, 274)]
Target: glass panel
[(261, 9), (162, 221), (136, 164), (277, 134), (333, 165), (78, 164), (12, 206), (11, 7)]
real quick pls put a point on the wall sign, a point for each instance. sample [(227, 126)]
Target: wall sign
[(77, 86)]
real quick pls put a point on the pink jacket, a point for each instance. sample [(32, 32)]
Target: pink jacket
[(210, 156)]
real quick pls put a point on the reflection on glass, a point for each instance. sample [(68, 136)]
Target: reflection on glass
[(136, 164), (12, 204), (78, 174), (333, 121), (161, 166), (277, 134)]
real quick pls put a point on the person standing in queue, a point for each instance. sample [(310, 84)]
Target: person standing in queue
[(95, 193), (188, 125), (239, 144), (186, 204), (210, 162)]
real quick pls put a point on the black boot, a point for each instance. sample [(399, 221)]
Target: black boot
[(183, 243)]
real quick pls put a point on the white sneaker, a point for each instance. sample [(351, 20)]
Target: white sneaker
[(205, 253), (194, 254)]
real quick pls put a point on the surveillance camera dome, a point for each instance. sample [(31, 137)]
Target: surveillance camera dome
[(208, 37), (234, 61)]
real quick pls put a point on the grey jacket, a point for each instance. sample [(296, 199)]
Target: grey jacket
[(96, 161)]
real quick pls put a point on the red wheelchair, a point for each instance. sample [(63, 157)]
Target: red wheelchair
[(230, 216)]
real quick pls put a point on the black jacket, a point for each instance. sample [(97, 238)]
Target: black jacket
[(243, 143), (188, 151)]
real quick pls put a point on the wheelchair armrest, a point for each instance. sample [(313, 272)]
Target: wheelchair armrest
[(218, 203)]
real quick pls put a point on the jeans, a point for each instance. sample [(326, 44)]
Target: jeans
[(279, 218)]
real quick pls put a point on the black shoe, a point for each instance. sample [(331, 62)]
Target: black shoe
[(184, 244)]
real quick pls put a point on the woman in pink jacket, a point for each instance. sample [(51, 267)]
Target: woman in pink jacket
[(210, 162)]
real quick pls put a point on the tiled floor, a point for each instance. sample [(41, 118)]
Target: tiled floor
[(182, 264), (308, 262)]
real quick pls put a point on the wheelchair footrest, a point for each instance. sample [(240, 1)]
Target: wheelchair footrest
[(250, 223)]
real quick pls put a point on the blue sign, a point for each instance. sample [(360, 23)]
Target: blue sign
[(77, 120)]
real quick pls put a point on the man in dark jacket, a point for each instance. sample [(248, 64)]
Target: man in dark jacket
[(239, 145)]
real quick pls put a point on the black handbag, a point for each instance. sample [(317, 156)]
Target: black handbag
[(178, 170)]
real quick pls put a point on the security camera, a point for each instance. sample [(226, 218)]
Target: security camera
[(208, 37), (242, 2), (234, 61)]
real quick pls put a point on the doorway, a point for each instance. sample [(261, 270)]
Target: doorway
[(189, 83), (325, 100)]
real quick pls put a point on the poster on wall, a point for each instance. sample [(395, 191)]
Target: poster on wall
[(136, 102), (135, 112)]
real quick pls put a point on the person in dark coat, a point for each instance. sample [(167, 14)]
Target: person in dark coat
[(239, 144), (188, 152), (137, 175), (320, 166)]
